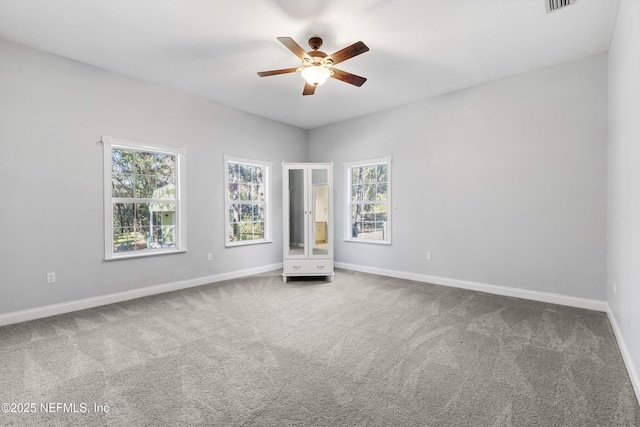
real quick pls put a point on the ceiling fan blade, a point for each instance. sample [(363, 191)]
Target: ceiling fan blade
[(276, 72), (308, 89), (343, 76), (348, 52), (294, 47)]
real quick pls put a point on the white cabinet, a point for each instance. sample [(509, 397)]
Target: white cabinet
[(308, 219)]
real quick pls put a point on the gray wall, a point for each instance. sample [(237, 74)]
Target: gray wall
[(504, 183), (52, 113), (624, 183)]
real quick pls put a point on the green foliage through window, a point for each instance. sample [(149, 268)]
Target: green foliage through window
[(368, 201), (144, 199), (246, 201)]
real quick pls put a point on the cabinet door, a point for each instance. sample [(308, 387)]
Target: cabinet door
[(320, 212), (296, 228)]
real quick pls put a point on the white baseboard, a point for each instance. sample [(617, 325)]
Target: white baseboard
[(484, 287), (626, 356), (67, 307)]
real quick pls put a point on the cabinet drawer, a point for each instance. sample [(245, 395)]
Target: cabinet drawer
[(308, 267)]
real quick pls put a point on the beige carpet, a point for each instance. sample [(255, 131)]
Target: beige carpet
[(363, 350)]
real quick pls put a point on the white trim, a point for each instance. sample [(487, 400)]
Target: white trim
[(141, 146), (248, 242), (309, 164), (552, 298), (626, 356), (347, 180), (180, 201), (371, 241), (267, 204), (82, 304), (107, 203), (370, 162), (252, 162)]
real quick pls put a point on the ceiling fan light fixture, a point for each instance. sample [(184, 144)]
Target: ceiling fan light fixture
[(316, 75)]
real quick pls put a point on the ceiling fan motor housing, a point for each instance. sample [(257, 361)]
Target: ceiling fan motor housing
[(315, 43)]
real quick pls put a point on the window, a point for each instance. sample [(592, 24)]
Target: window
[(368, 201), (144, 199), (246, 199)]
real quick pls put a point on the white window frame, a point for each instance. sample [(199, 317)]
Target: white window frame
[(180, 233), (267, 205), (348, 166)]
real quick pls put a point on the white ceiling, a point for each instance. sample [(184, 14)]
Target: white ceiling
[(213, 48)]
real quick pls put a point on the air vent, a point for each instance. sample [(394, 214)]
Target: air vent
[(553, 5)]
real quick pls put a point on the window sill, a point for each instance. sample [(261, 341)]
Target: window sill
[(115, 257), (375, 242), (247, 243)]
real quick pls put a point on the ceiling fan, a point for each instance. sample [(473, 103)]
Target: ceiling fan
[(317, 66)]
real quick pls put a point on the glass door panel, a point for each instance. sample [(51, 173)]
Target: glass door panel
[(297, 213), (320, 212)]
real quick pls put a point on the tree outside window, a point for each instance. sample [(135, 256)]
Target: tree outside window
[(142, 204), (247, 183), (369, 196)]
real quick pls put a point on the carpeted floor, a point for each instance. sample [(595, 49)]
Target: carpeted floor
[(363, 350)]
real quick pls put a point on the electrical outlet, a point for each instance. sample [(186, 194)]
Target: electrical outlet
[(209, 257), (51, 277), (429, 256), (615, 290)]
